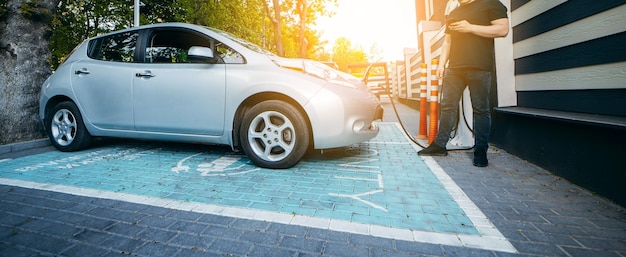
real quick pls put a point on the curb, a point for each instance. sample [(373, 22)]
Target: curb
[(21, 146)]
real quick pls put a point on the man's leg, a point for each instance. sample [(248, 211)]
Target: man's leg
[(479, 84), (452, 89)]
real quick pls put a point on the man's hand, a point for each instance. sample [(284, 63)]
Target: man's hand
[(461, 26), (440, 70), (498, 28)]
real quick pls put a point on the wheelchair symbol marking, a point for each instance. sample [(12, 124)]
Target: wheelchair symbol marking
[(227, 165)]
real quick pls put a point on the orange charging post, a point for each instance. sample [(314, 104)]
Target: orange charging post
[(434, 101), (423, 101)]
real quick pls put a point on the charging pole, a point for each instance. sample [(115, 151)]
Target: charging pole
[(136, 13)]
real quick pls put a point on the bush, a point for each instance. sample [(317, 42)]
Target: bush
[(35, 11), (3, 8)]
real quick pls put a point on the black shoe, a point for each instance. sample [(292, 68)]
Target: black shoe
[(433, 150), (480, 159)]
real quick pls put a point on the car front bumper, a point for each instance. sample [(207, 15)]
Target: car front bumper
[(343, 119)]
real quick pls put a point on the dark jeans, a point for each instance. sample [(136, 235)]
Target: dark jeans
[(454, 82)]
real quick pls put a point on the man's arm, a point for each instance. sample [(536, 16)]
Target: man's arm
[(498, 28), (443, 57)]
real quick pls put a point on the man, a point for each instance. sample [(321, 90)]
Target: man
[(468, 47)]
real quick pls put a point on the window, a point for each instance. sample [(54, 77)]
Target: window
[(228, 55), (172, 46), (115, 48)]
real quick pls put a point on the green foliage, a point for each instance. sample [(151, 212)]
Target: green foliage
[(35, 11), (77, 20), (249, 20), (159, 11), (290, 16), (243, 18), (344, 53), (3, 8)]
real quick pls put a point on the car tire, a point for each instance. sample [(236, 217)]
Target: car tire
[(66, 129), (274, 134)]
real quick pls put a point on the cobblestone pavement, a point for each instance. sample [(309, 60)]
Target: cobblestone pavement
[(372, 199)]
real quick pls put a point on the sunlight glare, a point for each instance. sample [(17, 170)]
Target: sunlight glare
[(390, 25)]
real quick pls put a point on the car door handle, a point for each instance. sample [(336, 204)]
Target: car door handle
[(146, 74), (81, 71)]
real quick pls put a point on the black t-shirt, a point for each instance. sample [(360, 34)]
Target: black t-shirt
[(468, 50)]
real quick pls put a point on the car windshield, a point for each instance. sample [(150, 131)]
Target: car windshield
[(242, 42)]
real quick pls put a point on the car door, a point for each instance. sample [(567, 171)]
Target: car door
[(102, 83), (172, 94)]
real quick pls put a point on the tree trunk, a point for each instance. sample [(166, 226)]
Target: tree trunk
[(278, 35), (302, 7), (24, 66)]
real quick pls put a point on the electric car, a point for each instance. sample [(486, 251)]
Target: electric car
[(188, 83)]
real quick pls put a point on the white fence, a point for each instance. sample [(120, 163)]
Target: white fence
[(405, 77)]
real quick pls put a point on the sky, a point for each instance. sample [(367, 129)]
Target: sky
[(389, 24)]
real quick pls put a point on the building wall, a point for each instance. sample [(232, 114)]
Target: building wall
[(571, 55), (570, 84), (561, 88)]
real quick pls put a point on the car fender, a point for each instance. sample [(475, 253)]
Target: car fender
[(241, 86), (48, 92)]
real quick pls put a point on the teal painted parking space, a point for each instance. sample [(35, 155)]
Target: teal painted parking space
[(380, 182)]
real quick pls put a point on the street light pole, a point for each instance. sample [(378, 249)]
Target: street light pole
[(136, 13)]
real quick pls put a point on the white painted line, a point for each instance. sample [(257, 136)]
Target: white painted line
[(353, 178), (314, 222), (240, 213), (358, 198), (438, 238), (492, 240), (349, 227), (391, 233), (363, 171), (282, 218), (490, 237)]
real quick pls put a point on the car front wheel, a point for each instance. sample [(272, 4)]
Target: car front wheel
[(274, 135), (66, 128)]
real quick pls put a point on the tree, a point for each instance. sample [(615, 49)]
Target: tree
[(344, 53), (296, 17), (276, 19), (375, 53), (158, 11), (301, 8), (24, 33), (243, 18), (77, 20)]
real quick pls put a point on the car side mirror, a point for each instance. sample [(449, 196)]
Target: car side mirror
[(200, 54)]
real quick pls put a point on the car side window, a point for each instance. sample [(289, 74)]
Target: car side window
[(114, 48), (228, 55), (172, 46)]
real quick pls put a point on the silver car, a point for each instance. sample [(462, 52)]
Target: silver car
[(188, 83)]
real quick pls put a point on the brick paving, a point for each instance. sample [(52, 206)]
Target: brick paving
[(538, 213)]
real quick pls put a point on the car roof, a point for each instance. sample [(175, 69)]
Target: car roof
[(157, 25)]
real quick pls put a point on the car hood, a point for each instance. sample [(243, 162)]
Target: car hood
[(319, 70)]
